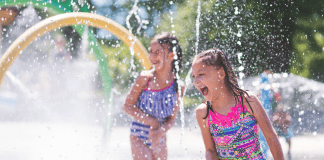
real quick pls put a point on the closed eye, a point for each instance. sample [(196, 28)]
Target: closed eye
[(153, 52)]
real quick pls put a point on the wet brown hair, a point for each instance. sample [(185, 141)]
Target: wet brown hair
[(172, 43), (215, 57)]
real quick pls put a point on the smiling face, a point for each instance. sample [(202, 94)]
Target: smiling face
[(207, 79), (159, 56)]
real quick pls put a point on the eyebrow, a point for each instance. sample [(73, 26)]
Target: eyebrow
[(201, 70)]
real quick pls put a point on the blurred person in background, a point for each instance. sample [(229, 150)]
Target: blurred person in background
[(281, 121), (265, 97), (271, 100)]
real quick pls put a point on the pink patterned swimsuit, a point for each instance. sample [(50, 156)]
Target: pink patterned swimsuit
[(236, 135)]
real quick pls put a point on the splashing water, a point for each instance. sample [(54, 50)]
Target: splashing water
[(20, 85), (239, 55), (141, 22), (240, 69), (85, 44), (188, 77), (197, 27), (181, 107), (133, 11), (109, 111)]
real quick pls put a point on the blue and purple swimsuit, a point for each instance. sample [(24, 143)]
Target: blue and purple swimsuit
[(158, 104)]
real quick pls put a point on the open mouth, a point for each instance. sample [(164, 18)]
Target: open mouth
[(204, 91)]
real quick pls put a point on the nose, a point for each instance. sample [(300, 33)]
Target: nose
[(152, 55), (196, 80)]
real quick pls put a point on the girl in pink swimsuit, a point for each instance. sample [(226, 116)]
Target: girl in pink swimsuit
[(230, 118)]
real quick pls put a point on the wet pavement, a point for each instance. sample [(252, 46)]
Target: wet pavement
[(31, 141)]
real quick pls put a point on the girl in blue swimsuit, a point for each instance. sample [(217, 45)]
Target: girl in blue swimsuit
[(154, 99)]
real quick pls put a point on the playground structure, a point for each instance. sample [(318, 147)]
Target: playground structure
[(76, 20), (72, 19), (61, 7)]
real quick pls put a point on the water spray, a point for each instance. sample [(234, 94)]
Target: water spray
[(188, 77)]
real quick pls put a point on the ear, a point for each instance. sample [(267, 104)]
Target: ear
[(171, 55), (222, 73)]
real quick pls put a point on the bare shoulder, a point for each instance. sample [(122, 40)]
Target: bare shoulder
[(146, 74), (252, 103), (201, 110), (250, 97), (144, 77)]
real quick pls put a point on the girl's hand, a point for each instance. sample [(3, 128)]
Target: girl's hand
[(154, 124), (155, 138)]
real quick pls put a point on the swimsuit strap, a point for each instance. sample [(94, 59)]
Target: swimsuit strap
[(148, 83)]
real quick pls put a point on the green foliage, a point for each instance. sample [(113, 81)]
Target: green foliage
[(119, 62), (184, 27), (233, 26), (191, 101), (308, 42), (316, 69), (280, 35)]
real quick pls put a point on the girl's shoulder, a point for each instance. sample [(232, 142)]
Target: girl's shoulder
[(201, 110), (250, 97), (146, 73), (252, 103), (143, 78)]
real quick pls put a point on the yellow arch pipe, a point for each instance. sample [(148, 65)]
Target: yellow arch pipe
[(75, 18)]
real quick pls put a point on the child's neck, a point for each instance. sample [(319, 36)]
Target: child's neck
[(164, 75), (225, 99)]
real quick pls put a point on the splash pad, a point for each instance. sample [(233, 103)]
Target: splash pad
[(63, 20), (77, 19)]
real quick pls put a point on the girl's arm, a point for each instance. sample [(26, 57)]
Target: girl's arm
[(211, 153), (130, 107), (264, 122)]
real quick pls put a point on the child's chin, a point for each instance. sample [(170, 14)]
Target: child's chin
[(208, 98)]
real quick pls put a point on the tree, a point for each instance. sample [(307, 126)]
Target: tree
[(308, 40), (259, 30), (269, 34)]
